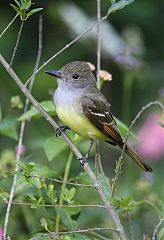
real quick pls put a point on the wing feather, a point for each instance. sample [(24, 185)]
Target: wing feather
[(98, 112)]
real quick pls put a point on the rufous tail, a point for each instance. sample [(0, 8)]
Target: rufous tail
[(132, 154)]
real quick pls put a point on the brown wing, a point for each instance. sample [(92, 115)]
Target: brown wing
[(97, 110)]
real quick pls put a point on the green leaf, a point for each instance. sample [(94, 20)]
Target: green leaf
[(66, 219), (30, 166), (71, 193), (34, 181), (8, 127), (25, 5), (83, 145), (124, 129), (51, 193), (125, 204), (82, 178), (17, 2), (105, 183), (33, 12), (68, 195), (80, 236), (54, 146), (41, 236), (43, 223), (161, 234), (16, 8), (21, 165), (66, 237), (120, 5), (3, 195), (16, 102), (112, 1), (74, 211), (48, 106), (37, 202)]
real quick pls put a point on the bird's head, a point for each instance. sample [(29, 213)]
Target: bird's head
[(75, 74)]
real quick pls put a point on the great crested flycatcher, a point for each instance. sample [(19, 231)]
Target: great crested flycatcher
[(85, 110)]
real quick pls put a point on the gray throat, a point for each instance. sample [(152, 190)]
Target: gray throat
[(66, 96)]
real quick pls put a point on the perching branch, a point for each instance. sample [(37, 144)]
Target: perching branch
[(66, 182), (56, 205), (74, 231), (9, 25), (75, 150)]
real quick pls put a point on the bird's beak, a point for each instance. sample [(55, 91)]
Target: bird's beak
[(54, 73)]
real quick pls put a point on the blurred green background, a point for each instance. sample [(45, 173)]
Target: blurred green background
[(137, 68)]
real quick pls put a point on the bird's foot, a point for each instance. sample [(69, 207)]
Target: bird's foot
[(60, 130), (83, 160)]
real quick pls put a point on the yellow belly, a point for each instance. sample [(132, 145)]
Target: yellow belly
[(76, 121)]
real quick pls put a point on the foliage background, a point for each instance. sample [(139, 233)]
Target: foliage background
[(145, 19)]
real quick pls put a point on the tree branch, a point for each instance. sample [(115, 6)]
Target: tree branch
[(9, 25), (75, 231), (55, 205), (17, 43)]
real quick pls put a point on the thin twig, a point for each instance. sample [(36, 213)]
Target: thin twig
[(131, 226), (98, 42), (98, 165), (17, 43), (76, 231), (63, 187), (39, 51), (55, 205), (22, 128), (110, 208), (9, 25), (154, 237), (112, 8), (43, 178), (120, 160), (61, 181)]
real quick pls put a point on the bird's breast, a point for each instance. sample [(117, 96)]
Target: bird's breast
[(69, 110)]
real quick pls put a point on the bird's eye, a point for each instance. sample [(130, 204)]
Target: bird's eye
[(75, 76)]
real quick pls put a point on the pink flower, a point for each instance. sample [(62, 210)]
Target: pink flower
[(20, 150), (151, 138), (1, 233)]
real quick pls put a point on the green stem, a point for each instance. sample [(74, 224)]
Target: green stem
[(126, 100), (66, 174)]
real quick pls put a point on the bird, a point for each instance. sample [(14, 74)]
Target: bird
[(84, 109)]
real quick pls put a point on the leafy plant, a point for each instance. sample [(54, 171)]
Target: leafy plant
[(69, 195), (22, 8)]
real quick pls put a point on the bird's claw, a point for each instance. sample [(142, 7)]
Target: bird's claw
[(61, 129), (83, 160)]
